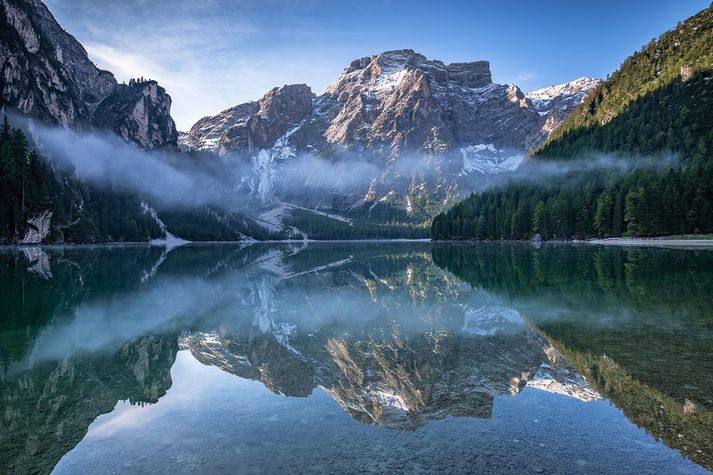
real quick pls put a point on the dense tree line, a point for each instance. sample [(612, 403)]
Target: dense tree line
[(80, 212), (27, 185), (658, 106), (642, 203), (680, 54), (641, 305)]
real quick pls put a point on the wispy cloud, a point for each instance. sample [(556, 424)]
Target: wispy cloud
[(525, 77), (206, 54)]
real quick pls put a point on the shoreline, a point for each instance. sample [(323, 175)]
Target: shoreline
[(640, 242), (199, 243), (652, 242)]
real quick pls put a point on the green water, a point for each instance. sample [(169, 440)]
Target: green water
[(352, 358)]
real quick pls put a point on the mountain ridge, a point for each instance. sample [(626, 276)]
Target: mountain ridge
[(48, 75), (372, 82)]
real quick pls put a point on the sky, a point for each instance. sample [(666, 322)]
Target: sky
[(213, 54)]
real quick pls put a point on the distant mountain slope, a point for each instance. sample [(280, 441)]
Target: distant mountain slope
[(557, 102), (657, 111)]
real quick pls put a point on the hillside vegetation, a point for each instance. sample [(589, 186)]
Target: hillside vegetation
[(656, 112)]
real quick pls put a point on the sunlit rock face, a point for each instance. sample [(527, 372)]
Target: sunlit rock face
[(430, 130), (390, 102), (47, 75), (140, 114)]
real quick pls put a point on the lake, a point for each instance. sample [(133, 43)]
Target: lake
[(356, 357)]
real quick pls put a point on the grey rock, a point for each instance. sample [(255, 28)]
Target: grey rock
[(430, 128), (140, 114), (46, 73)]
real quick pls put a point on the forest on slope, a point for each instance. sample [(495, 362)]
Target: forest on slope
[(656, 114), (36, 193)]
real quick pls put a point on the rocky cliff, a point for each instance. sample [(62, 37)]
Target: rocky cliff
[(396, 101), (429, 128), (556, 103), (139, 113), (47, 74)]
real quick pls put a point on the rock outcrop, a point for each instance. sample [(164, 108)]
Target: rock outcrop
[(431, 129), (39, 228), (139, 113), (556, 103), (46, 73)]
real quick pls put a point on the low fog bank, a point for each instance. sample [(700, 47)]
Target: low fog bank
[(551, 172), (172, 178)]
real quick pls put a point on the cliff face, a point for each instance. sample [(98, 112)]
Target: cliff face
[(399, 100), (430, 129), (46, 73), (139, 113), (395, 101)]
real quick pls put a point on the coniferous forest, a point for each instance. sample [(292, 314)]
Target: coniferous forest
[(29, 186), (32, 187), (656, 114)]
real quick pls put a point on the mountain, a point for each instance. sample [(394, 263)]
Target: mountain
[(556, 103), (392, 141), (48, 75), (391, 102), (429, 129), (655, 115), (396, 342)]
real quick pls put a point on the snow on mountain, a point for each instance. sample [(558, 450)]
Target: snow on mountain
[(488, 160), (430, 128), (556, 103), (562, 95)]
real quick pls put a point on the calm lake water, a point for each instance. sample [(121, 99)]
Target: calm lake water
[(352, 358)]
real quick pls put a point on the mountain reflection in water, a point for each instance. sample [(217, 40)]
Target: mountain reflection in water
[(397, 334)]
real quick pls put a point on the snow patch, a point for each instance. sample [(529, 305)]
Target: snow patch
[(486, 159), (169, 240)]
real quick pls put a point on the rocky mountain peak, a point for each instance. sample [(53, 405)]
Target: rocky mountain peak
[(46, 71), (293, 99), (556, 103), (385, 69), (139, 113), (572, 91), (48, 75), (386, 106)]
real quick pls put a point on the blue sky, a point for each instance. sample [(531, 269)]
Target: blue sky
[(213, 54)]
